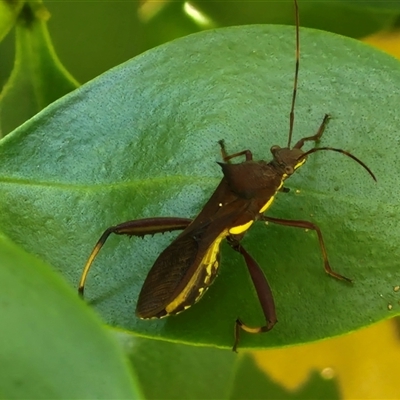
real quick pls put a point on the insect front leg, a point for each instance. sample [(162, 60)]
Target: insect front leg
[(138, 227), (309, 225), (227, 158), (264, 295), (315, 137)]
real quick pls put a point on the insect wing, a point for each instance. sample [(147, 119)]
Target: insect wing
[(187, 267)]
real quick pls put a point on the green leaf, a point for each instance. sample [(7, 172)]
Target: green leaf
[(175, 371), (50, 345), (141, 141), (9, 11), (38, 78)]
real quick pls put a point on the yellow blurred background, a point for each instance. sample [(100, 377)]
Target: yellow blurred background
[(365, 363)]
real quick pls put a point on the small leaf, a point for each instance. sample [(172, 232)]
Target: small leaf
[(9, 11), (141, 141), (38, 78)]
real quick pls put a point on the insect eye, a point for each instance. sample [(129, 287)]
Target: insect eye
[(289, 170)]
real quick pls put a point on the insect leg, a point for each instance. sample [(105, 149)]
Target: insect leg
[(315, 137), (138, 227), (309, 225), (226, 157), (264, 294)]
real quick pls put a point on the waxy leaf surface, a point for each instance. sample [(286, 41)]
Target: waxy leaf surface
[(52, 347)]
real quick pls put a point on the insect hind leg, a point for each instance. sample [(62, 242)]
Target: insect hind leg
[(139, 227), (264, 295)]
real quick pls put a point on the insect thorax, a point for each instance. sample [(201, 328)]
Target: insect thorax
[(252, 179)]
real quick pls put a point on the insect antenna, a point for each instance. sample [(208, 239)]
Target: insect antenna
[(296, 72), (346, 153)]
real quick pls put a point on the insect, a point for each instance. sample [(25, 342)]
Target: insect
[(188, 266)]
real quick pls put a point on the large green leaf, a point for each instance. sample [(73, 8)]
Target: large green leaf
[(141, 141), (50, 346)]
